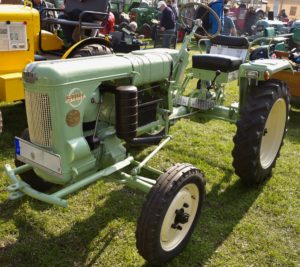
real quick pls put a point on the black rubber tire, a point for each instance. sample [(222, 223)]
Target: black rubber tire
[(145, 30), (251, 164), (30, 176), (91, 50), (161, 195)]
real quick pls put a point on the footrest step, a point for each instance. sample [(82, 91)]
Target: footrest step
[(195, 103)]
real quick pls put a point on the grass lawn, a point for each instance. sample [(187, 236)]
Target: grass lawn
[(239, 226)]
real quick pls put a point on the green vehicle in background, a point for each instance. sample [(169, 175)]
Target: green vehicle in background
[(124, 5), (145, 14), (141, 11)]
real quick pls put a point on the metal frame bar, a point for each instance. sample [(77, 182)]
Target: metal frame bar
[(19, 188)]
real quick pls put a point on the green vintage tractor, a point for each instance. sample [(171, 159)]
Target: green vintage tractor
[(82, 114), (145, 15), (141, 11)]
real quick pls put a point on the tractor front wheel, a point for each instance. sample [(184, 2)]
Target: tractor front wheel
[(260, 131), (170, 213), (30, 176)]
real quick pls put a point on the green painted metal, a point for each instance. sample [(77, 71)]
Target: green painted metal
[(19, 188), (77, 114), (135, 183), (148, 168), (261, 67), (144, 14), (138, 168), (229, 114), (122, 5), (209, 75), (93, 178), (56, 198)]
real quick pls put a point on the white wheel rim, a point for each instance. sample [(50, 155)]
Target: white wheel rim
[(273, 133), (188, 199)]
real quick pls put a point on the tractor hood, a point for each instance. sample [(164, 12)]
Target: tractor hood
[(145, 68)]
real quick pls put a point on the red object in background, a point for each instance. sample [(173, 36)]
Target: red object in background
[(109, 25), (132, 16), (284, 19), (240, 18), (233, 13), (180, 35)]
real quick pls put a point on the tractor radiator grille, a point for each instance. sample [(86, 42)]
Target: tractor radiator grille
[(39, 118)]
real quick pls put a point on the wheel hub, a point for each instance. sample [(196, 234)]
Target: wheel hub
[(180, 218)]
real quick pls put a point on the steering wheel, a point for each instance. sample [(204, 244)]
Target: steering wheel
[(191, 11)]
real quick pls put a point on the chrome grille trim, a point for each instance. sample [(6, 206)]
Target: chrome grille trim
[(39, 118)]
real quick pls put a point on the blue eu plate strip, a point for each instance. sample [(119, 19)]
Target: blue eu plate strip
[(17, 146)]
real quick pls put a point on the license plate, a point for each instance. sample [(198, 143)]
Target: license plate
[(13, 36), (37, 157)]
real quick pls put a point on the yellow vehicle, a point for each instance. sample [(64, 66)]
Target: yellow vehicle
[(22, 41)]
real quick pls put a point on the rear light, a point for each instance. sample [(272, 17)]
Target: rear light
[(252, 74)]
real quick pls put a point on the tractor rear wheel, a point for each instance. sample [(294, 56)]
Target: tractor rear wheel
[(170, 213), (260, 131), (91, 50), (30, 176)]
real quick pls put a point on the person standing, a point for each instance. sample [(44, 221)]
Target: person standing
[(41, 6), (229, 27), (175, 9), (282, 16), (217, 6), (251, 18), (241, 18), (167, 24)]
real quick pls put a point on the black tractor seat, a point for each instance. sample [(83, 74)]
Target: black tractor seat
[(231, 41), (216, 62)]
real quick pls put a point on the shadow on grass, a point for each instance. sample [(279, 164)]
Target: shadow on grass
[(224, 207), (71, 248), (14, 122), (226, 204), (223, 210)]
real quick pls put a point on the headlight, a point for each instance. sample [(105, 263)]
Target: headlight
[(252, 74)]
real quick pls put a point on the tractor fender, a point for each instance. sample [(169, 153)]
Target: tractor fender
[(95, 40), (260, 70), (257, 69)]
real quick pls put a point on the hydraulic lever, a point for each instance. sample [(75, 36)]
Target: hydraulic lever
[(218, 72)]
